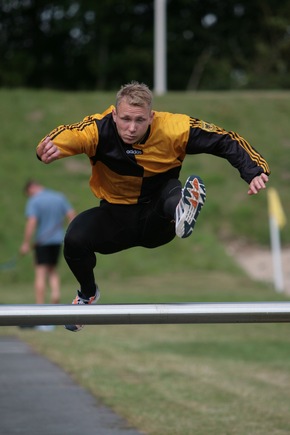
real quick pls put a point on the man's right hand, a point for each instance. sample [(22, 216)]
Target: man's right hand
[(47, 151), (24, 248)]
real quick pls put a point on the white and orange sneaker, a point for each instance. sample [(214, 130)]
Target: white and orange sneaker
[(80, 300), (187, 210)]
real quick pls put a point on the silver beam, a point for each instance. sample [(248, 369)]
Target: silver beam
[(124, 314), (160, 61)]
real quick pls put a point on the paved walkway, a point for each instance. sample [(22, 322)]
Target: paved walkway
[(37, 397)]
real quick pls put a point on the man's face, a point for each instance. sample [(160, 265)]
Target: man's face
[(132, 121)]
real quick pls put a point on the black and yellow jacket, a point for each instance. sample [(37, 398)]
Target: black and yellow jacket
[(128, 174)]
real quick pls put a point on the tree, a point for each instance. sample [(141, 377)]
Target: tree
[(229, 44), (79, 45), (212, 44)]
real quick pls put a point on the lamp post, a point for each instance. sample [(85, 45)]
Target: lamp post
[(160, 64)]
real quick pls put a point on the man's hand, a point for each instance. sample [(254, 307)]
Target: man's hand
[(24, 248), (257, 184), (47, 151)]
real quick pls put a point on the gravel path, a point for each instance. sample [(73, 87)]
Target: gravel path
[(258, 262), (38, 397)]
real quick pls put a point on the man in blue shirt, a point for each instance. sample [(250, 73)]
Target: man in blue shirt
[(46, 212)]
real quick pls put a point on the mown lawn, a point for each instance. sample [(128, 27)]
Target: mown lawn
[(164, 379)]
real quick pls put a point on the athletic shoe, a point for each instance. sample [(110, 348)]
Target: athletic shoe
[(80, 300), (187, 210)]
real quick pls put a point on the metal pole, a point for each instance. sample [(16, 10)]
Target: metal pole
[(160, 64), (124, 314), (276, 255)]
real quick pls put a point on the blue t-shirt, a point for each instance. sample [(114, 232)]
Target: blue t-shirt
[(49, 208)]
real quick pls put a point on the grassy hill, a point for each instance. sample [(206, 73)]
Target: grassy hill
[(261, 117), (174, 379)]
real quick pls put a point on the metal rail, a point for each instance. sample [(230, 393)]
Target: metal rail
[(125, 314)]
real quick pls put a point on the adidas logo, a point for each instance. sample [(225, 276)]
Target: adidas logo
[(134, 152)]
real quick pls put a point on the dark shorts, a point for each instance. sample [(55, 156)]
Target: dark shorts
[(47, 254)]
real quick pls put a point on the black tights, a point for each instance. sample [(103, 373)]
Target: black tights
[(112, 228)]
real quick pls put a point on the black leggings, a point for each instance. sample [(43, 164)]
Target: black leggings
[(112, 228)]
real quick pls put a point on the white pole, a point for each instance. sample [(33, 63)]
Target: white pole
[(125, 314), (160, 76), (276, 255)]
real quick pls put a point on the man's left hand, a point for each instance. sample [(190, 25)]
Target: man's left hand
[(257, 184)]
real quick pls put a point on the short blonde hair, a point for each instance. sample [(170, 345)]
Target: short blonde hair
[(136, 94)]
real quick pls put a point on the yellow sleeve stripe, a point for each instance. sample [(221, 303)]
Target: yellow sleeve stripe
[(79, 126), (253, 154)]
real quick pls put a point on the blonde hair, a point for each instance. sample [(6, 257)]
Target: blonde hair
[(136, 94)]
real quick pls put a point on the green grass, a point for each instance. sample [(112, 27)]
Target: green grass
[(165, 379), (180, 379)]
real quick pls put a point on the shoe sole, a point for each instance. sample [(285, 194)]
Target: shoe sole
[(76, 328), (189, 206)]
